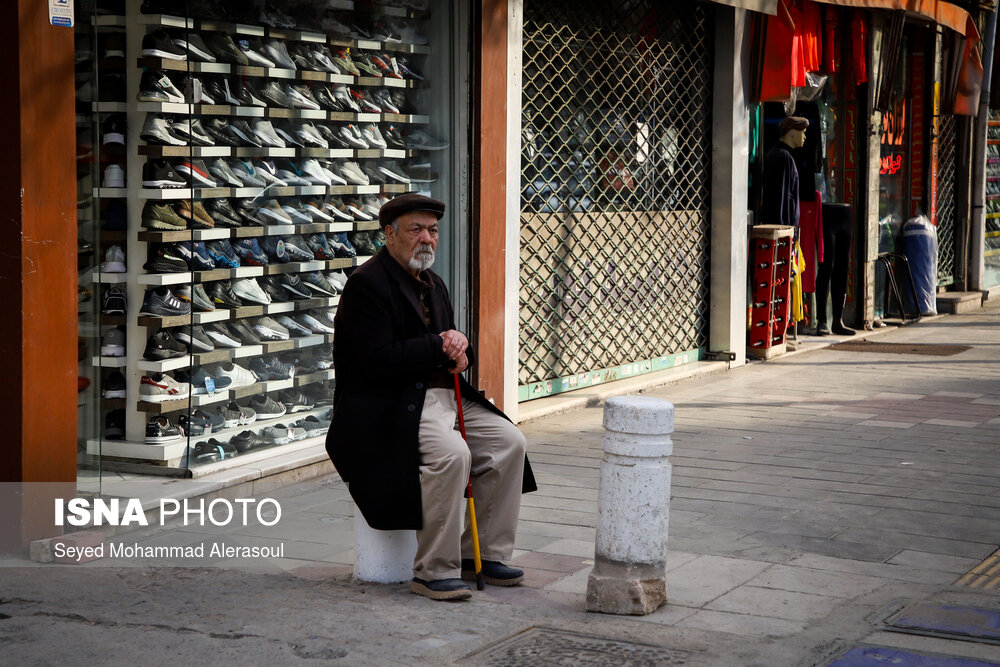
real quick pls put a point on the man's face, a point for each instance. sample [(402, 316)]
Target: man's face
[(796, 138), (415, 241)]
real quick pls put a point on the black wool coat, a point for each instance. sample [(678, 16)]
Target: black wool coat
[(383, 353)]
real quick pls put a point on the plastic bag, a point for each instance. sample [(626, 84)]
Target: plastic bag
[(921, 249)]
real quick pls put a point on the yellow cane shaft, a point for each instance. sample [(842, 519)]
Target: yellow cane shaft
[(475, 536)]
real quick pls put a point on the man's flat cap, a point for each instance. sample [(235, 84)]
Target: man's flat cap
[(792, 123), (397, 206)]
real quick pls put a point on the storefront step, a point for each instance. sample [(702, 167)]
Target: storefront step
[(959, 302)]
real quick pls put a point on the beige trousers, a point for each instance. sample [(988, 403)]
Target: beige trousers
[(496, 454)]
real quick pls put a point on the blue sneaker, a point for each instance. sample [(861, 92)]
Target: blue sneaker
[(222, 254), (250, 252), (197, 255), (320, 248), (341, 245), (275, 249)]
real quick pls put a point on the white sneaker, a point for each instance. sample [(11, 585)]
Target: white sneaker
[(315, 173), (249, 290), (352, 172), (268, 329), (313, 324), (156, 129), (292, 326), (373, 136), (327, 168), (300, 101), (265, 131), (160, 387), (240, 376), (114, 260), (310, 136), (114, 176)]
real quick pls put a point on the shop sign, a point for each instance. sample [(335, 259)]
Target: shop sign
[(889, 165), (61, 13)]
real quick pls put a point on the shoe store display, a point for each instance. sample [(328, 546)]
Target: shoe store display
[(248, 160)]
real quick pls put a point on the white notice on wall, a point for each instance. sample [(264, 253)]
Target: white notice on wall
[(61, 12)]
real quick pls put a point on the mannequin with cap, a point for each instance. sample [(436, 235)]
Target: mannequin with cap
[(780, 200)]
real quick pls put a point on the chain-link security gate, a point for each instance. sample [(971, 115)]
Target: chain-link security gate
[(945, 209), (616, 116)]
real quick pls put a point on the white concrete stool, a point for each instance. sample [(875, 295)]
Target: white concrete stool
[(382, 556)]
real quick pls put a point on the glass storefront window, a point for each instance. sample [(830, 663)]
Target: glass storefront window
[(232, 162)]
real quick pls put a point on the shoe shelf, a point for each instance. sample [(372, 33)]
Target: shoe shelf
[(193, 67), (109, 362), (374, 9), (184, 109), (173, 453), (247, 232), (394, 47), (163, 365), (110, 193), (109, 278), (226, 314), (108, 107), (229, 151), (109, 21), (281, 191)]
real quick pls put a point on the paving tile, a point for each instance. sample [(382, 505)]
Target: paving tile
[(929, 561), (841, 548), (574, 583), (888, 395), (987, 401), (787, 605), (847, 414), (705, 578), (886, 424), (554, 562), (956, 394), (577, 548), (741, 624), (816, 582), (954, 423)]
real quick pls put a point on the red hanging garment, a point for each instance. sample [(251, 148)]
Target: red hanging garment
[(798, 73), (812, 28), (776, 75), (811, 239), (830, 39), (859, 51)]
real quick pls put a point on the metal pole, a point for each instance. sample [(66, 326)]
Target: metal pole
[(977, 227)]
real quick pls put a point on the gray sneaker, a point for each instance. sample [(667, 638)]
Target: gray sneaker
[(221, 170), (196, 296)]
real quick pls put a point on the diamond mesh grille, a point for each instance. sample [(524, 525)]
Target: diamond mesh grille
[(945, 215), (616, 116)]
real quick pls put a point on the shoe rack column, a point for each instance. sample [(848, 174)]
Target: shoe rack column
[(770, 276), (135, 336)]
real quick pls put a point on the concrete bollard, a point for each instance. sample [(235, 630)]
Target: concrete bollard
[(382, 556), (634, 506)]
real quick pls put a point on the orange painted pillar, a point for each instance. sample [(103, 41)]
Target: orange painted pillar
[(38, 272)]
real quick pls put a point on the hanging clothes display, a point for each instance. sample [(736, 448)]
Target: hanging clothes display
[(811, 239)]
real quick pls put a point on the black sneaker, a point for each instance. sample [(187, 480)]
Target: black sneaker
[(113, 386), (160, 430), (114, 302), (294, 286), (162, 258), (295, 401), (269, 368), (222, 47), (156, 86), (362, 243), (195, 424), (158, 44), (247, 211), (161, 301), (243, 333), (221, 293), (246, 440), (114, 425), (162, 345), (113, 129), (318, 284), (223, 213), (159, 174), (272, 286), (194, 337), (219, 130)]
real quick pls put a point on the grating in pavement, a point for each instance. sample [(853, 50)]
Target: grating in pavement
[(949, 621), (926, 349), (543, 647), (878, 656), (986, 575)]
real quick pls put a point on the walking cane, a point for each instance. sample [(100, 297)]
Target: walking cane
[(480, 583)]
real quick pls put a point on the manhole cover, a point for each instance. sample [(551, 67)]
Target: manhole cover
[(879, 656), (926, 349), (985, 575), (941, 620), (546, 647)]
